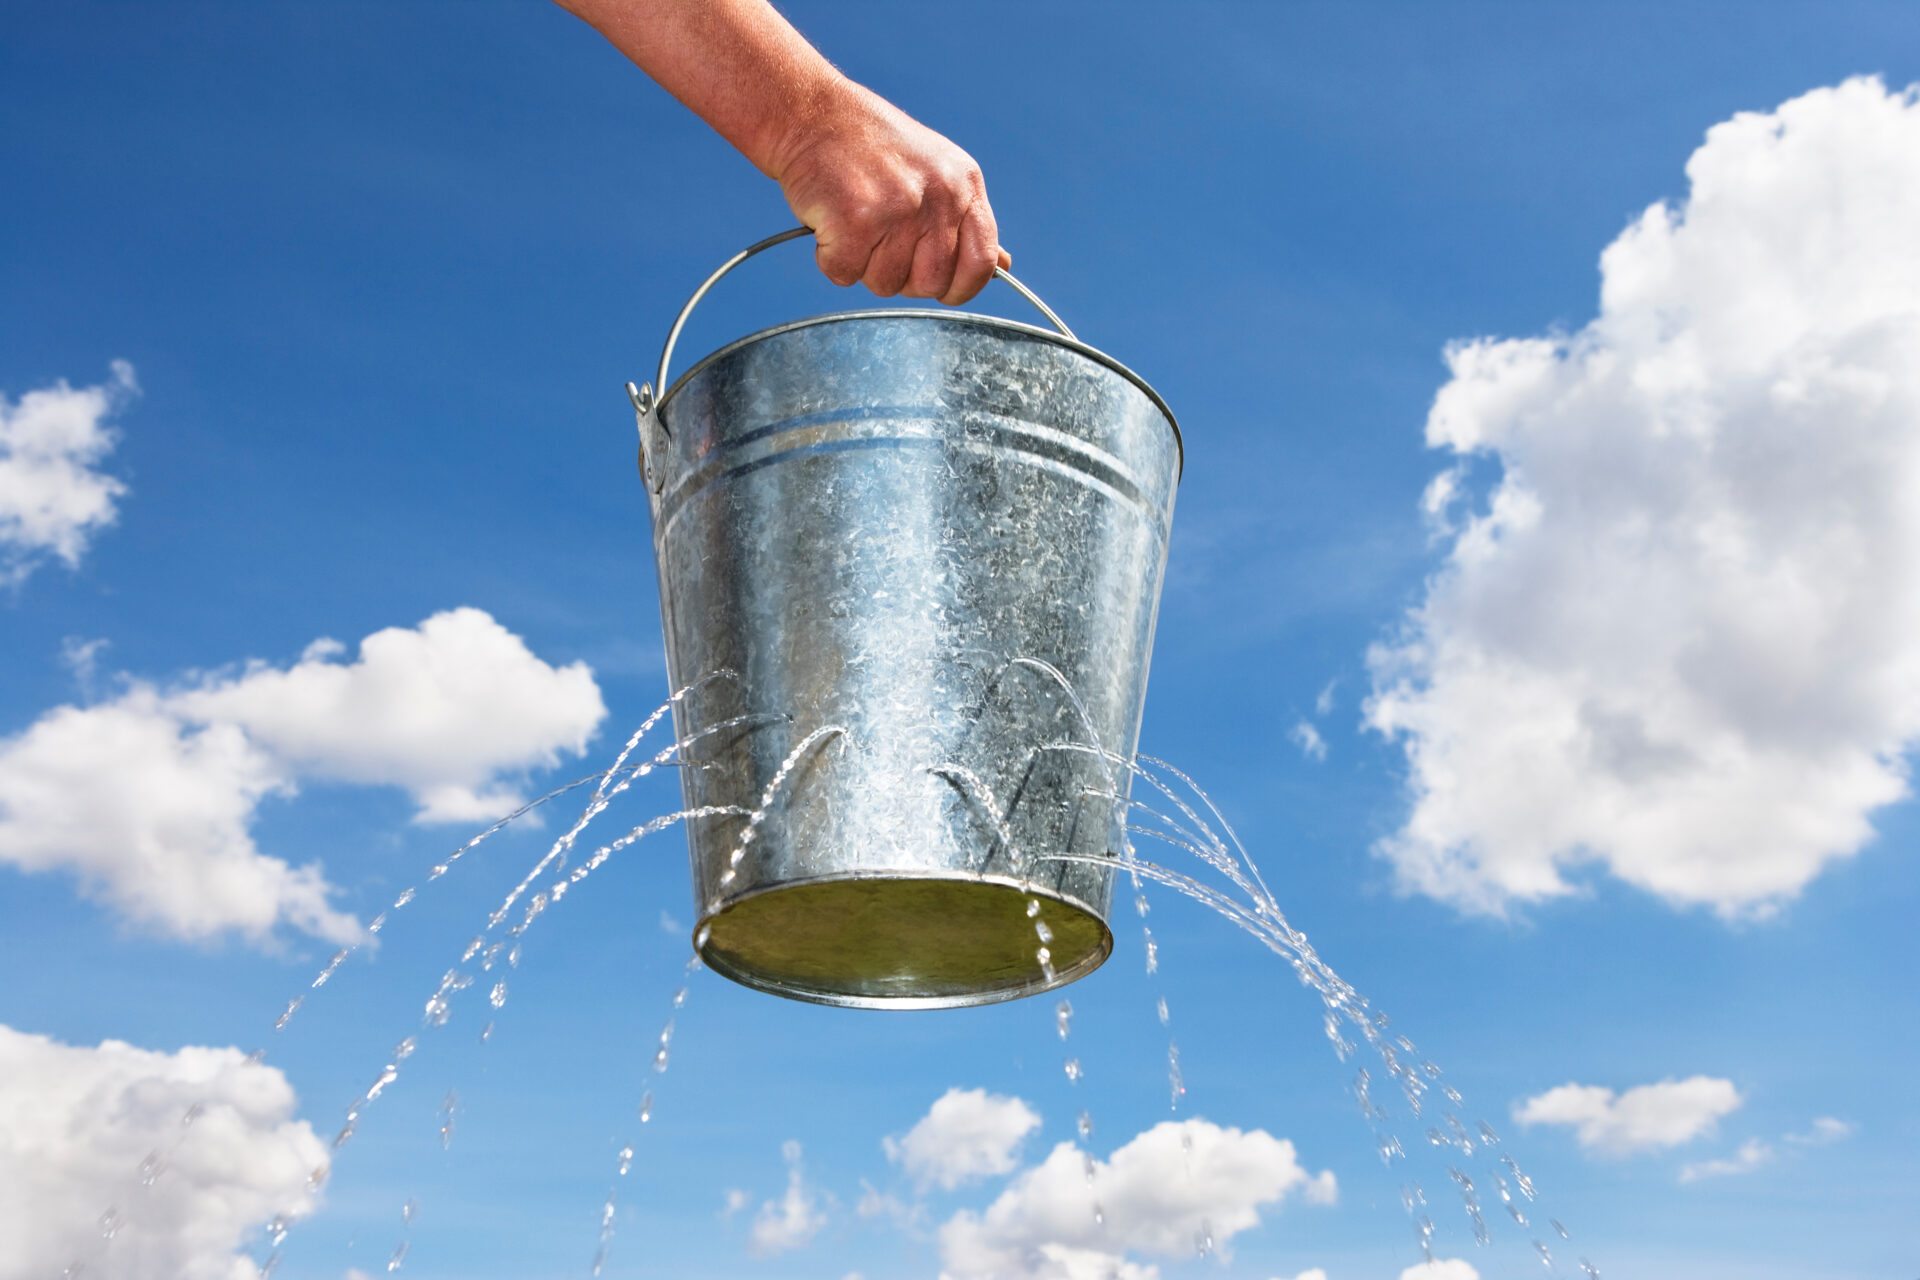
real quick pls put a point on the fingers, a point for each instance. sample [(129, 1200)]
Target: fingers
[(974, 257)]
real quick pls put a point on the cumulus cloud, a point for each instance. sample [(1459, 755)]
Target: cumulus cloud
[(1647, 1118), (1825, 1131), (1675, 640), (792, 1221), (149, 798), (52, 499), (1311, 1273), (1172, 1186), (1308, 739), (966, 1135), (110, 1131), (1442, 1269), (1752, 1154)]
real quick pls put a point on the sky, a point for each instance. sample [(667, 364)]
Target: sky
[(1539, 615)]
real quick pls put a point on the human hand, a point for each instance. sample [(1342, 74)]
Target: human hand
[(893, 205)]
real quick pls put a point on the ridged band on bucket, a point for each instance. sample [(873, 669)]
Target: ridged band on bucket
[(910, 562)]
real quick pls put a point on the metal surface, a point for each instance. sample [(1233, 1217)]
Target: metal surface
[(935, 542)]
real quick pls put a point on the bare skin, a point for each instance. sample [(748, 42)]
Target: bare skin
[(893, 205)]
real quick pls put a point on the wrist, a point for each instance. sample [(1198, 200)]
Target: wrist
[(829, 106)]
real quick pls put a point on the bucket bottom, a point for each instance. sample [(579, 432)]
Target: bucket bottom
[(901, 943)]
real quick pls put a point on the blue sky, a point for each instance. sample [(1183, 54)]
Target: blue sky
[(378, 273)]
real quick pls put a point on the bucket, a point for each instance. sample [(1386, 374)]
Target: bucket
[(909, 565)]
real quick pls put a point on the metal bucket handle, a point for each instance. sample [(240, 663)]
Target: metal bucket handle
[(647, 395), (673, 334)]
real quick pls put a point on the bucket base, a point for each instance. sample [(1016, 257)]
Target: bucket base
[(900, 943)]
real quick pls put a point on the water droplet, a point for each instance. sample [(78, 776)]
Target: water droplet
[(378, 923), (1033, 908), (1389, 1148), (293, 1006), (346, 1132), (646, 1107), (1089, 1166), (1085, 1125), (1073, 1070), (498, 996), (1160, 1007), (1487, 1135), (1593, 1272), (404, 1050), (513, 957), (1063, 1018), (660, 1059), (1153, 952), (318, 1178), (701, 935), (1045, 959), (1099, 1214), (1546, 1259), (1176, 1083), (626, 1160), (1555, 1224), (399, 1256), (679, 997), (271, 1265), (439, 870), (1042, 931), (110, 1224), (448, 1105), (1203, 1239), (193, 1113), (409, 1211), (1520, 1179), (151, 1168), (406, 896), (1453, 1094), (1513, 1211), (1140, 905)]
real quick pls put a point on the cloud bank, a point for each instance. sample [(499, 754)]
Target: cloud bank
[(1676, 639), (52, 498), (1648, 1118), (106, 1131), (149, 798)]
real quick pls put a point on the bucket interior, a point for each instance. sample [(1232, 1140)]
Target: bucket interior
[(893, 943)]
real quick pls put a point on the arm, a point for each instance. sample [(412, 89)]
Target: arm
[(892, 204)]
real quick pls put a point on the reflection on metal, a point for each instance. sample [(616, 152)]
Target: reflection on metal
[(944, 535)]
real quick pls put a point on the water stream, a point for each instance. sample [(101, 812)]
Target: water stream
[(1176, 814)]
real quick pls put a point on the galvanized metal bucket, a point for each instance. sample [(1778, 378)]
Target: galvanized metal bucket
[(922, 551)]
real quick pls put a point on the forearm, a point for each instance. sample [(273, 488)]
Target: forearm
[(737, 64)]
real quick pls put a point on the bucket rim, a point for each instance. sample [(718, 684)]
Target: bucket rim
[(950, 317)]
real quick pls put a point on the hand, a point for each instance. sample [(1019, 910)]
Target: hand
[(893, 205)]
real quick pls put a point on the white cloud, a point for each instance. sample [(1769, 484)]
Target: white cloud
[(441, 710), (791, 1221), (1308, 739), (1442, 1269), (1751, 1156), (1170, 1186), (1677, 640), (967, 1134), (149, 798), (1311, 1273), (84, 1122), (1643, 1119), (735, 1201), (1323, 704), (1825, 1131), (52, 500)]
